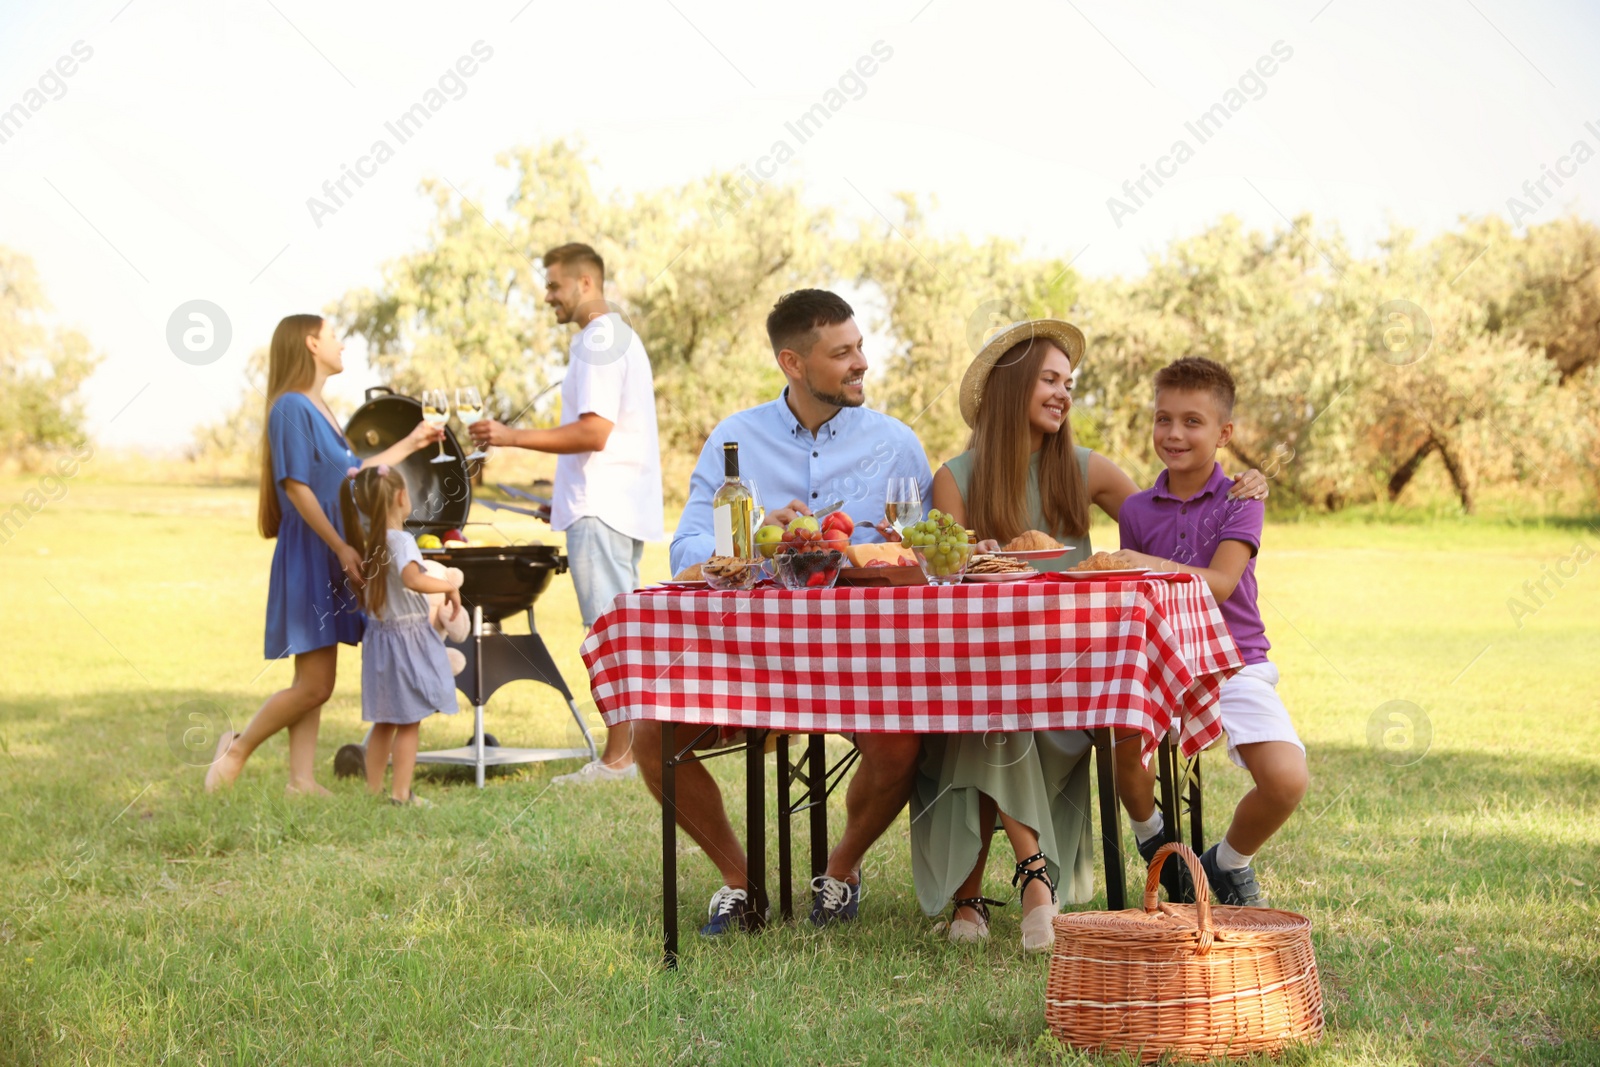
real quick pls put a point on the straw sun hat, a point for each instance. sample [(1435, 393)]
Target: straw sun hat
[(1066, 336)]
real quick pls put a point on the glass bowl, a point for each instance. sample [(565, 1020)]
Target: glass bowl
[(733, 579), (807, 569), (944, 567)]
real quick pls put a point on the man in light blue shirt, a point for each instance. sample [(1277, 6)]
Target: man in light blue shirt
[(813, 445)]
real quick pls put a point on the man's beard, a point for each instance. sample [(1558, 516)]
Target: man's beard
[(838, 400)]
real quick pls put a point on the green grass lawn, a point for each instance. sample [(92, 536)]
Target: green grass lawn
[(1453, 899)]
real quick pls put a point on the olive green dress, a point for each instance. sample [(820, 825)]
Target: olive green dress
[(1040, 779)]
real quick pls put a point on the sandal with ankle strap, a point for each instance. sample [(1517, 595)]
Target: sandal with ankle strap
[(965, 931), (1038, 926)]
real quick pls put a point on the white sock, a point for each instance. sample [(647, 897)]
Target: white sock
[(1144, 830), (1230, 858)]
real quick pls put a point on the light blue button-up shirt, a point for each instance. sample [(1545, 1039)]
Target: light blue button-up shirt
[(852, 457)]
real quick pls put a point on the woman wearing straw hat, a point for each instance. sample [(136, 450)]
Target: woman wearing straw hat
[(1021, 471)]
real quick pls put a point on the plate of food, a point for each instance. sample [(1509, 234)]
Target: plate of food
[(688, 578), (991, 567), (1103, 565), (1034, 544)]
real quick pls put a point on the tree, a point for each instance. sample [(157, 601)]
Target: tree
[(42, 368), (694, 270), (943, 297)]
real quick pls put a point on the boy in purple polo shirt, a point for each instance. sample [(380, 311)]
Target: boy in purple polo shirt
[(1186, 522)]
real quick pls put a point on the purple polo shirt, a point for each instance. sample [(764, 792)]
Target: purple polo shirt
[(1188, 532)]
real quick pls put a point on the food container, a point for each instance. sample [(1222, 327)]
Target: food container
[(731, 575), (881, 577), (943, 568), (795, 569)]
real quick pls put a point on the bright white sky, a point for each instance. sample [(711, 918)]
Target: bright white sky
[(177, 163)]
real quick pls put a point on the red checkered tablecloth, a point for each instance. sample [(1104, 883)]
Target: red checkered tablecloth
[(1042, 654)]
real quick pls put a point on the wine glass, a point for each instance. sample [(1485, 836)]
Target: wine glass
[(758, 513), (469, 409), (902, 503), (436, 412)]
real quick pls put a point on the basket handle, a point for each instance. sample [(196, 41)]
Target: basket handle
[(1152, 887)]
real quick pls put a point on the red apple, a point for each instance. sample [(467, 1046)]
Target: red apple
[(838, 520), (834, 537)]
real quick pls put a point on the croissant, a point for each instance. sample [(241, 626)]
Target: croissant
[(1031, 541)]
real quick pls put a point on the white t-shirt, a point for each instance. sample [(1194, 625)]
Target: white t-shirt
[(400, 602), (608, 374)]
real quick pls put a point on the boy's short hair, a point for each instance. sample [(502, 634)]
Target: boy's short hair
[(578, 256), (1198, 374), (796, 317)]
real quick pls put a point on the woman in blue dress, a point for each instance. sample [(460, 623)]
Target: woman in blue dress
[(311, 608)]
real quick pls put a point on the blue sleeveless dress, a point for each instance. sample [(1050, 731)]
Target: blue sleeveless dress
[(309, 605)]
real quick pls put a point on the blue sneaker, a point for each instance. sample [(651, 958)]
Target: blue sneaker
[(1237, 888), (729, 911), (835, 901)]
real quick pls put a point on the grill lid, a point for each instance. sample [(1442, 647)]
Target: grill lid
[(441, 493)]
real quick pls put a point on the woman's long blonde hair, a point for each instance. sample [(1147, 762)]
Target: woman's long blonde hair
[(365, 501), (290, 369), (997, 495)]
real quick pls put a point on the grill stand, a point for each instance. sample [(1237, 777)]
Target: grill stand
[(493, 659)]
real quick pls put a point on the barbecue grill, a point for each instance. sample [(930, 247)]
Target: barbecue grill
[(499, 581)]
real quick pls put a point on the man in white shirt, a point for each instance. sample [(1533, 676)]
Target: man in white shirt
[(608, 474)]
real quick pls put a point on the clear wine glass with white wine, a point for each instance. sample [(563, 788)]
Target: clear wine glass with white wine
[(469, 409), (436, 412), (902, 504)]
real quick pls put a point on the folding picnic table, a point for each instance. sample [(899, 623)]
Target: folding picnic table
[(1049, 653)]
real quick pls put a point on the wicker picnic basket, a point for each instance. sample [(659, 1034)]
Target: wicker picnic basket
[(1190, 979)]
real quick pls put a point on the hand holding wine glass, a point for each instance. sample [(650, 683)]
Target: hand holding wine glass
[(469, 409), (436, 412)]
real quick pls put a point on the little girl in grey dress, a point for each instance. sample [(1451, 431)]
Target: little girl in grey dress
[(405, 675)]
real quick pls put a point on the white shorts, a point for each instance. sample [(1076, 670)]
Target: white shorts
[(1251, 711)]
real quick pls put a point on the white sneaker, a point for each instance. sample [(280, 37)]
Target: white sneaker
[(595, 771)]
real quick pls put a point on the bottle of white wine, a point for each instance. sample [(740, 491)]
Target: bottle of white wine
[(731, 508)]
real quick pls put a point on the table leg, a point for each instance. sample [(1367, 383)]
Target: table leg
[(785, 805), (1167, 766), (1105, 762), (1197, 833), (755, 852), (819, 806), (669, 847)]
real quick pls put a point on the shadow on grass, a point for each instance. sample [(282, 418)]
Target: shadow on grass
[(1446, 917)]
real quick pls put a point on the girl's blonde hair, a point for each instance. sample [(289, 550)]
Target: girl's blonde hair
[(997, 495), (367, 498), (290, 369)]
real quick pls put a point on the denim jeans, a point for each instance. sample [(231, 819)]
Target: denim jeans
[(604, 564)]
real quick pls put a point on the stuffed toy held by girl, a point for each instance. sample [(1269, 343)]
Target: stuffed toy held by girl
[(448, 629)]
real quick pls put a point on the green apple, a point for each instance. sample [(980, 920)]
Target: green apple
[(767, 539), (802, 522)]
